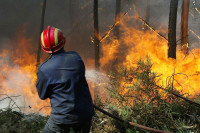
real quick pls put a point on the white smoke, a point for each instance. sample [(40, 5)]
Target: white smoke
[(19, 90), (15, 85), (100, 80)]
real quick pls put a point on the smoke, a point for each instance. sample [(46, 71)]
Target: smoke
[(15, 85), (98, 78), (75, 19), (17, 81), (99, 81)]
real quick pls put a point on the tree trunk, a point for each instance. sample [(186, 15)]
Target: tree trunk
[(96, 45), (41, 29), (96, 35), (172, 29), (117, 19), (184, 26), (117, 34)]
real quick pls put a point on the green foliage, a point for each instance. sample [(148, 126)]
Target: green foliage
[(135, 96), (16, 122)]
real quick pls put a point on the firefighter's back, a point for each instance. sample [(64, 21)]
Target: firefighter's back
[(67, 88)]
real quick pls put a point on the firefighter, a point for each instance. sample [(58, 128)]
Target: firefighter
[(61, 78)]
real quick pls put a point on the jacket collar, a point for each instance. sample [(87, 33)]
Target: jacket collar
[(60, 51)]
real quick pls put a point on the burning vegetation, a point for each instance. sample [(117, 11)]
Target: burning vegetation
[(18, 77), (136, 44)]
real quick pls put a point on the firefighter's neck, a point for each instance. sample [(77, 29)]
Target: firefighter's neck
[(59, 51)]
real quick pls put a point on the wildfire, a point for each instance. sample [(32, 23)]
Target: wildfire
[(18, 71), (18, 77), (139, 44)]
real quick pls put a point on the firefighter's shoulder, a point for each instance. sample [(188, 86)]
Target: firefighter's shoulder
[(73, 54), (41, 66)]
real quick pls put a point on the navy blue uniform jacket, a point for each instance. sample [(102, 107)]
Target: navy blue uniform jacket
[(62, 79)]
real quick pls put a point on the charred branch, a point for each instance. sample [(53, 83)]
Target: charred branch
[(180, 96)]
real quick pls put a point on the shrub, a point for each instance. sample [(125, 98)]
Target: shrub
[(16, 122), (135, 96)]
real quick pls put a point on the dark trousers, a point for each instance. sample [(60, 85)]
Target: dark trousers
[(83, 127)]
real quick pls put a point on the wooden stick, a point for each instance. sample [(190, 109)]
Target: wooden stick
[(177, 95), (184, 98), (130, 123)]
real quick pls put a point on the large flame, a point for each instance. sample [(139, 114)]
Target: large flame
[(18, 77), (136, 44), (18, 71)]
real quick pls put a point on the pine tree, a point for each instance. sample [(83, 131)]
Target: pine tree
[(172, 29), (184, 26)]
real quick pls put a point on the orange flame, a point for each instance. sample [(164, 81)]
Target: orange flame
[(18, 76), (139, 44)]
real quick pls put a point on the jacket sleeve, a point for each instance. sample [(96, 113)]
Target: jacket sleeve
[(42, 85)]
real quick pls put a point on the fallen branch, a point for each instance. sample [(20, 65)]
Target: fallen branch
[(9, 97), (130, 123), (17, 108), (184, 98), (178, 95)]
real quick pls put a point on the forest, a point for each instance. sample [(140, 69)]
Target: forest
[(142, 60)]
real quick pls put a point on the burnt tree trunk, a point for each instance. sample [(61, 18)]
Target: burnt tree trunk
[(117, 34), (96, 44), (41, 29), (172, 29), (184, 26), (117, 19), (96, 35)]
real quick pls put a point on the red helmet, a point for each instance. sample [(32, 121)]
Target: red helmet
[(52, 40)]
